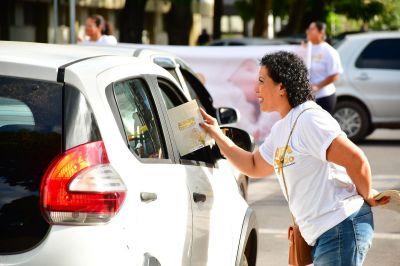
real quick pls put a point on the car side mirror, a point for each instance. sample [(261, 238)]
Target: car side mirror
[(227, 115), (240, 137)]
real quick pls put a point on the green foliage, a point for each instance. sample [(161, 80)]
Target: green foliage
[(374, 14), (359, 9), (389, 19)]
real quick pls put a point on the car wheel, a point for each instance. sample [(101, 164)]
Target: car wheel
[(249, 255), (353, 119), (244, 262)]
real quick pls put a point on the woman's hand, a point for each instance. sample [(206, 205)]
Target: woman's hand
[(315, 88), (246, 162), (374, 202), (210, 125)]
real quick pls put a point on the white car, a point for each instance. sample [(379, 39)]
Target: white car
[(190, 84), (93, 175), (369, 89)]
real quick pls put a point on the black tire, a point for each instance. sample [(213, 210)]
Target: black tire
[(250, 251), (353, 119)]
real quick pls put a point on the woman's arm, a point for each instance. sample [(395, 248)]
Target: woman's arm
[(345, 153), (251, 164), (330, 79)]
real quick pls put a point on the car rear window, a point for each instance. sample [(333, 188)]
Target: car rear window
[(30, 137)]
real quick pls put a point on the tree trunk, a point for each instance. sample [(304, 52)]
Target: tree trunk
[(263, 7), (7, 8), (132, 21), (179, 21), (295, 18), (218, 10), (246, 32)]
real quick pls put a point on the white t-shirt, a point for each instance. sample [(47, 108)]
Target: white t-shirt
[(104, 39), (323, 62), (321, 193)]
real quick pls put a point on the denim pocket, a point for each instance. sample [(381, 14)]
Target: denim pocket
[(364, 231)]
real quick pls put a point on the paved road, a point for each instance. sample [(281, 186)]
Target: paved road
[(383, 151)]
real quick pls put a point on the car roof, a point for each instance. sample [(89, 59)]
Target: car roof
[(374, 34), (136, 50), (40, 54), (42, 61)]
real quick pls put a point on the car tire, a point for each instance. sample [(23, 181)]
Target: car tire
[(244, 261), (250, 253), (353, 119)]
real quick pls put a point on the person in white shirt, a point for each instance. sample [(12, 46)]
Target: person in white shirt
[(324, 66), (98, 31), (328, 177)]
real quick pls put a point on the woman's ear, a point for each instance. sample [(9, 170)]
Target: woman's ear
[(282, 90)]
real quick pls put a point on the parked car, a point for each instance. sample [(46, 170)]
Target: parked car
[(190, 84), (76, 188), (369, 89)]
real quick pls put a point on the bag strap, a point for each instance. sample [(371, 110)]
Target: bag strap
[(282, 159)]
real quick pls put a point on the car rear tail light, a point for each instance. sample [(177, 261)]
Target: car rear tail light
[(80, 187)]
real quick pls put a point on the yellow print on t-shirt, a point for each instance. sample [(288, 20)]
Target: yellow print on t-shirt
[(283, 162), (317, 57)]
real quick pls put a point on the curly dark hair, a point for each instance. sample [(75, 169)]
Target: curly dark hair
[(290, 70)]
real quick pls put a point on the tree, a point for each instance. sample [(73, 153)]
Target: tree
[(132, 21), (246, 10), (263, 7), (360, 10), (179, 21), (218, 10), (296, 14), (257, 9), (389, 19)]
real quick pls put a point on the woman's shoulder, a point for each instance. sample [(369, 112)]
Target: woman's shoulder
[(107, 39), (311, 110), (329, 48)]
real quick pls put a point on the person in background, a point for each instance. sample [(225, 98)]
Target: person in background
[(98, 31), (328, 177), (203, 38), (324, 66)]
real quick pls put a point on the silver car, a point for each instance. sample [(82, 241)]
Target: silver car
[(369, 89)]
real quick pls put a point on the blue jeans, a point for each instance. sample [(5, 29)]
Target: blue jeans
[(347, 243)]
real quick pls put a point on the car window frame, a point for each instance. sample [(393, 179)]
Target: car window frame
[(200, 90), (161, 123), (180, 94)]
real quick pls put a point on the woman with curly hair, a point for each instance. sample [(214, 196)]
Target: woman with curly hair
[(327, 178)]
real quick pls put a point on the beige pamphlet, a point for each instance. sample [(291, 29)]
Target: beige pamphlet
[(394, 203), (185, 120)]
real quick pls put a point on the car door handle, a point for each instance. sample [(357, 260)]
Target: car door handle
[(198, 197), (363, 76), (148, 197)]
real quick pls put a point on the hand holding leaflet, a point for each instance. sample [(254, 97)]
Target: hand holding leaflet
[(394, 202), (185, 120)]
